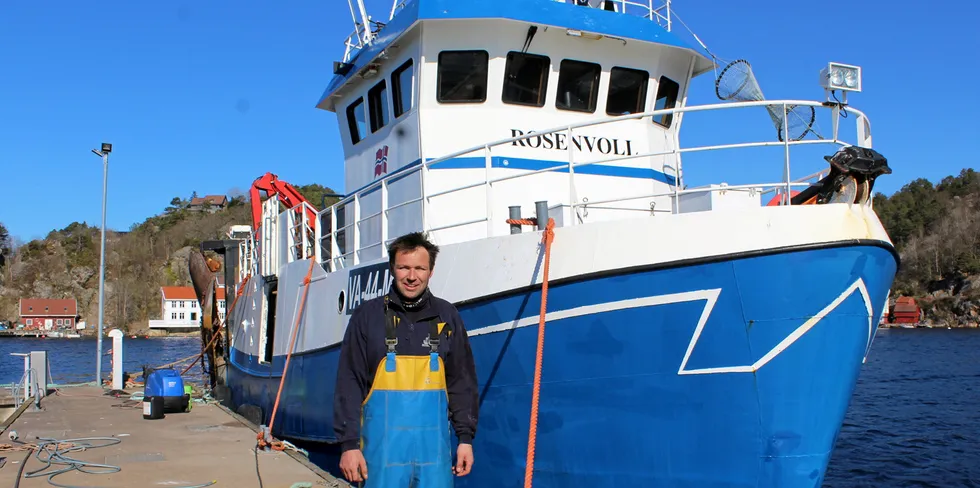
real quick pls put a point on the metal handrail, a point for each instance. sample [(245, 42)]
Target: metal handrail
[(29, 379), (653, 12), (750, 186), (608, 120), (571, 165)]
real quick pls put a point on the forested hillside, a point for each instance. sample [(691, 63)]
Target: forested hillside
[(936, 229), (139, 261)]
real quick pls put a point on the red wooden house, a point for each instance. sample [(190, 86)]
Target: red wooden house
[(48, 314), (905, 311)]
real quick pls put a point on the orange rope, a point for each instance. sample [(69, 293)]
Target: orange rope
[(531, 221), (289, 354), (200, 356), (547, 237)]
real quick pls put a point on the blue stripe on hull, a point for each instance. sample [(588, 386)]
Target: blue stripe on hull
[(613, 408)]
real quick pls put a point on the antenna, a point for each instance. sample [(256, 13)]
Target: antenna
[(736, 82), (364, 21), (362, 35)]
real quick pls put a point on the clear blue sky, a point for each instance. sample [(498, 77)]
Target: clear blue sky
[(207, 96)]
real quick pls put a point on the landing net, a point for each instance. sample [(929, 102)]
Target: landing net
[(736, 82)]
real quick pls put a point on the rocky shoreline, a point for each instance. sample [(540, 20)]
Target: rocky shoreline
[(950, 311), (952, 302)]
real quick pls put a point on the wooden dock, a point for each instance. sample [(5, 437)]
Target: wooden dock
[(21, 333), (207, 446)]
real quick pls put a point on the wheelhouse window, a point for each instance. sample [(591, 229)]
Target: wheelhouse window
[(627, 91), (378, 105), (356, 121), (462, 77), (666, 99), (402, 88), (578, 86), (526, 79)]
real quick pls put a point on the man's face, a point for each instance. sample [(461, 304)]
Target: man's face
[(412, 272)]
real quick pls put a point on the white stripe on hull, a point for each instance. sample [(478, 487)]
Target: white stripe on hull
[(470, 270)]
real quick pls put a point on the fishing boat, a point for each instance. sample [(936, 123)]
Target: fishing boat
[(693, 335)]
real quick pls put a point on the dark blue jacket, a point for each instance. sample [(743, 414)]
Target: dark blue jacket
[(364, 347)]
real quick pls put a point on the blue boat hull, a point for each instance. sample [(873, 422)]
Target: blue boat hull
[(730, 373)]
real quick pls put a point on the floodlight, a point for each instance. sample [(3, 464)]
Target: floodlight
[(843, 77), (583, 35)]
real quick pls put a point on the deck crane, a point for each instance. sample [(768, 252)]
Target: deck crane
[(304, 215), (288, 195), (203, 270)]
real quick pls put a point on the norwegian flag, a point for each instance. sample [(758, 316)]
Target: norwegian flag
[(381, 161)]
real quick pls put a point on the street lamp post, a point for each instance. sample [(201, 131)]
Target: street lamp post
[(104, 154)]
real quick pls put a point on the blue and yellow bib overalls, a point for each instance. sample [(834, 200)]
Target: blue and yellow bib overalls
[(405, 418)]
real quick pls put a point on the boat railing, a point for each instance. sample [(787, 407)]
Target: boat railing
[(361, 35), (779, 188), (300, 238), (348, 255), (650, 10), (662, 14), (655, 10), (246, 252), (354, 42), (396, 5), (302, 235), (267, 244)]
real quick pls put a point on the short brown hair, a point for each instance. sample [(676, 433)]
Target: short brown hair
[(410, 242)]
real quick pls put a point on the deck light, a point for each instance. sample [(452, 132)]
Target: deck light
[(844, 77), (340, 68), (583, 35)]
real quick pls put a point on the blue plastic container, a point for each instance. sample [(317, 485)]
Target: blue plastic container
[(168, 384)]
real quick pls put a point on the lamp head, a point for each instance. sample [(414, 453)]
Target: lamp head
[(106, 147), (843, 77)]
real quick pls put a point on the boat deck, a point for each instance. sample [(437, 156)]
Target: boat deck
[(208, 444)]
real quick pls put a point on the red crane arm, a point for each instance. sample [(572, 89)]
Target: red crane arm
[(288, 195)]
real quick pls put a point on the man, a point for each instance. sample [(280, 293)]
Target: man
[(403, 354)]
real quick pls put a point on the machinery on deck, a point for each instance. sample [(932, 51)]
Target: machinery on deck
[(237, 254), (287, 194)]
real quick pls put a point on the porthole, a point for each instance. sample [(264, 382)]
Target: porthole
[(341, 301)]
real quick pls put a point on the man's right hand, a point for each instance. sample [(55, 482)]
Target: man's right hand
[(353, 465)]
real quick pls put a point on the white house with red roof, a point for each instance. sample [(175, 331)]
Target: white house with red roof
[(180, 309)]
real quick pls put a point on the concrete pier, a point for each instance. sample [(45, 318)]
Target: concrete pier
[(208, 444)]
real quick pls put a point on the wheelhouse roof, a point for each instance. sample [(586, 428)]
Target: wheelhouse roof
[(549, 13)]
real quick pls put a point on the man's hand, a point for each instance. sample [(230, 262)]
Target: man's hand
[(464, 460), (353, 465)]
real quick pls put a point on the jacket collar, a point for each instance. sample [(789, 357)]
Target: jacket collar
[(423, 304)]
